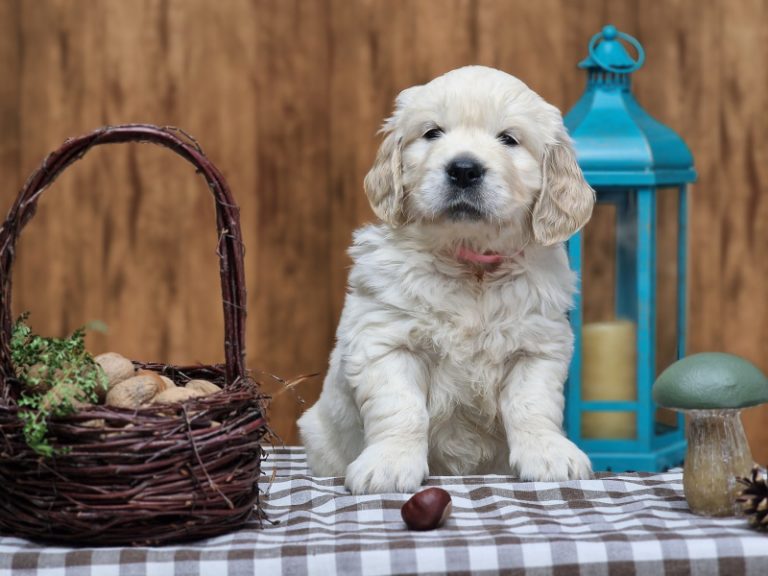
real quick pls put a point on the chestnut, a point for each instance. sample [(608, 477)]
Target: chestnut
[(426, 510)]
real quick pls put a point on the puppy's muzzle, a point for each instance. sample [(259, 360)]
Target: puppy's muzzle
[(465, 171), (464, 199)]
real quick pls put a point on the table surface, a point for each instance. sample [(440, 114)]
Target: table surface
[(617, 524)]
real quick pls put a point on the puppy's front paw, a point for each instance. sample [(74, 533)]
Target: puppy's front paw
[(549, 458), (383, 468)]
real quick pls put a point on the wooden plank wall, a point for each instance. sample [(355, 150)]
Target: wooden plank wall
[(286, 96)]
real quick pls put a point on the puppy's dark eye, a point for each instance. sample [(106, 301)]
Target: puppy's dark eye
[(508, 139), (433, 134)]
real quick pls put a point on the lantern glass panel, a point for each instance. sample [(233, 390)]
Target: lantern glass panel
[(611, 275), (608, 332), (667, 295)]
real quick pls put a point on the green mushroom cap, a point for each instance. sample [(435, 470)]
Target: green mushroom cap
[(709, 381)]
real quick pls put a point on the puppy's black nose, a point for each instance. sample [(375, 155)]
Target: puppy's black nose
[(465, 171)]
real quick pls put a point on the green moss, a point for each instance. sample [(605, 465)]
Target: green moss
[(42, 364)]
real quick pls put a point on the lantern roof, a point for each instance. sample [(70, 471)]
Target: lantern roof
[(617, 142)]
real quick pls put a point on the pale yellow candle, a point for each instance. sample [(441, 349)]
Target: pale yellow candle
[(609, 362)]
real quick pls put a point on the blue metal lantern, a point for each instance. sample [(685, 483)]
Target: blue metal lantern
[(632, 161)]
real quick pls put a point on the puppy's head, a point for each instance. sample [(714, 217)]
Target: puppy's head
[(477, 145)]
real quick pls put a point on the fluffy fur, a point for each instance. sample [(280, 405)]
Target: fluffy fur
[(443, 365)]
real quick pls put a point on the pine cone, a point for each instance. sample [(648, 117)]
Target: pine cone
[(754, 497)]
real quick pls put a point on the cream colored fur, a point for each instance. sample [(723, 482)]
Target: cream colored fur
[(442, 366)]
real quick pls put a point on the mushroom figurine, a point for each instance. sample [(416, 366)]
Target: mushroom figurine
[(711, 389)]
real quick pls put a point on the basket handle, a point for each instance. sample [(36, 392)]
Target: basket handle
[(230, 249)]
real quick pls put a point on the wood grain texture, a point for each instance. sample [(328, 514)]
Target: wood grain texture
[(286, 97), (10, 68)]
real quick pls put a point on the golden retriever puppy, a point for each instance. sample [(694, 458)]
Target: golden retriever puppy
[(454, 342)]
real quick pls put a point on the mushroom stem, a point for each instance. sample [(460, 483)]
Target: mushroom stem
[(717, 453)]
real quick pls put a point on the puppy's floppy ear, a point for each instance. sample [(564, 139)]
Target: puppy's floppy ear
[(565, 203), (384, 183)]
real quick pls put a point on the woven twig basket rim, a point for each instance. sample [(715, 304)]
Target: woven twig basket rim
[(230, 249)]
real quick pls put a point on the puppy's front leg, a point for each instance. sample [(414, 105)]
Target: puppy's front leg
[(532, 410), (391, 395)]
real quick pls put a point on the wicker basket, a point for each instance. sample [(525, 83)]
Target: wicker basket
[(152, 476)]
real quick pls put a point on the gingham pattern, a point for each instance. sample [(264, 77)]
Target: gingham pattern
[(617, 524)]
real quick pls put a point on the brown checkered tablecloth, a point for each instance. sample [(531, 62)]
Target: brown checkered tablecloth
[(617, 524)]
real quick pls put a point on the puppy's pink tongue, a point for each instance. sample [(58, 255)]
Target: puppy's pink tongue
[(468, 255)]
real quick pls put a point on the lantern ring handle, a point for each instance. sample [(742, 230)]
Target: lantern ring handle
[(631, 40)]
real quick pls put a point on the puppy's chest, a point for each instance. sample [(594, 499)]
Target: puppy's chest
[(470, 340), (475, 331), (471, 350)]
